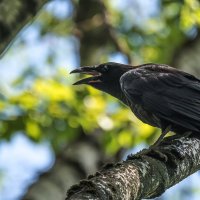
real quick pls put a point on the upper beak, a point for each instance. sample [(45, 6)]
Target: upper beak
[(87, 70)]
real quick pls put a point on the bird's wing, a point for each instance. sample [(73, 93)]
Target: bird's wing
[(174, 97), (181, 112)]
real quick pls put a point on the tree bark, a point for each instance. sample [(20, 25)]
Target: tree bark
[(15, 14), (144, 175)]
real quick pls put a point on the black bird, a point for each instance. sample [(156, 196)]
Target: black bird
[(158, 94)]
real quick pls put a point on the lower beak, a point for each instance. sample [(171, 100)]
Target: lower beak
[(89, 71)]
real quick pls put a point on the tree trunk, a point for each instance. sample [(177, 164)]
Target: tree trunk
[(187, 57)]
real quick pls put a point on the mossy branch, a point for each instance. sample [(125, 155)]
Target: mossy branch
[(144, 175)]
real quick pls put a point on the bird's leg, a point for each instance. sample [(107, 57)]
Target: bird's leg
[(154, 151), (152, 148), (164, 132), (177, 136), (187, 134)]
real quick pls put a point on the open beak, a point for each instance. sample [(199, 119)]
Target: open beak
[(89, 71)]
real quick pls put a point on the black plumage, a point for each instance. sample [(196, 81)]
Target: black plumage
[(158, 94)]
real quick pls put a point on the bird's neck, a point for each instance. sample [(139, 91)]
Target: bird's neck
[(113, 90)]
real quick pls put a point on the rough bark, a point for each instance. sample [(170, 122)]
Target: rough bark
[(15, 14), (142, 176)]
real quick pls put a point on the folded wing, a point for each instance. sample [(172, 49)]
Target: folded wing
[(172, 96)]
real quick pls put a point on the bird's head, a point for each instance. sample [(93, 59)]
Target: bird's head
[(104, 77)]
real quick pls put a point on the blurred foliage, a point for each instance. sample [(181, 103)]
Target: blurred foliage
[(50, 108), (190, 14)]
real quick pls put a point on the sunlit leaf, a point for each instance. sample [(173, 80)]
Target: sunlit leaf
[(33, 130)]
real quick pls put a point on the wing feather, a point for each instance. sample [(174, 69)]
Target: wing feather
[(173, 95)]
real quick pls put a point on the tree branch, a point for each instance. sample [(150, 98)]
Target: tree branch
[(142, 175), (15, 14)]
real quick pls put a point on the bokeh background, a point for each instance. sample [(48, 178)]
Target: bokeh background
[(53, 134)]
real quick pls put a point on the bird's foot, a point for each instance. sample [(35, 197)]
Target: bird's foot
[(152, 151), (156, 150), (168, 140)]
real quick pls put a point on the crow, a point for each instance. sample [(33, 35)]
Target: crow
[(159, 95)]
